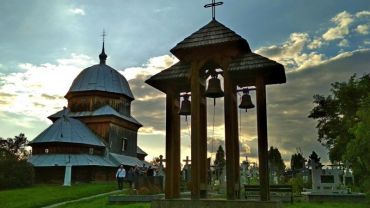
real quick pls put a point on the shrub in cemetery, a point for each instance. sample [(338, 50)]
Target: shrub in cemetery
[(15, 173)]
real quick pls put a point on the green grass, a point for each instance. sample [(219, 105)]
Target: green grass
[(42, 195), (102, 202), (325, 205)]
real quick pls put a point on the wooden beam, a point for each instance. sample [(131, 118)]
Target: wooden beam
[(195, 131), (231, 138), (262, 138), (203, 142), (172, 183)]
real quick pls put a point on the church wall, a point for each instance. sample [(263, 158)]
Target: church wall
[(117, 136), (79, 174), (93, 101), (65, 149), (100, 129)]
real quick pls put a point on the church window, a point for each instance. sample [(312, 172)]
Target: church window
[(91, 150), (46, 150), (124, 144)]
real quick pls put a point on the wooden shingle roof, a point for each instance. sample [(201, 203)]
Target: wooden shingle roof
[(177, 73), (246, 67), (211, 34)]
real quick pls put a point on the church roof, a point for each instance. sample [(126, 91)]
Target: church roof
[(103, 111), (48, 160), (245, 68), (211, 34), (177, 73), (127, 160), (140, 151), (101, 77), (68, 130)]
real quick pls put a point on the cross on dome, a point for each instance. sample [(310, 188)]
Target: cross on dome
[(103, 56)]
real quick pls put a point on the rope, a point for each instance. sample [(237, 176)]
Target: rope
[(213, 127)]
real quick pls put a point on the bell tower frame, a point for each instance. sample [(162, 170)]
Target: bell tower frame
[(214, 46)]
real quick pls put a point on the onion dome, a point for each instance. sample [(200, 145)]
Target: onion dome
[(101, 77)]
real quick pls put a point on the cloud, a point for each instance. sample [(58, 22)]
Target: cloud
[(343, 43), (153, 66), (39, 89), (342, 21), (363, 14), (291, 53), (362, 29), (316, 43), (77, 11)]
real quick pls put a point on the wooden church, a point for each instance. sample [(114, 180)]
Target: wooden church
[(96, 133)]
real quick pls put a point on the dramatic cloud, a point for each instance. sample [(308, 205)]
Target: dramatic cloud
[(342, 21), (363, 29), (363, 14), (38, 90), (291, 53), (343, 43), (316, 43), (77, 11)]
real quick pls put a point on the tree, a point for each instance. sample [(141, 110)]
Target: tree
[(297, 162), (314, 158), (336, 114), (15, 147), (276, 163), (219, 161), (357, 150)]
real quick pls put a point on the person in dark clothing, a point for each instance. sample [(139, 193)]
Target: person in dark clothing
[(130, 176), (120, 175), (150, 171)]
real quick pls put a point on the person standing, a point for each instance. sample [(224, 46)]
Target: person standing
[(120, 175)]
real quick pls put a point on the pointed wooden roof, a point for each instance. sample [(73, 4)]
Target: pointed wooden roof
[(176, 75), (214, 33), (246, 67)]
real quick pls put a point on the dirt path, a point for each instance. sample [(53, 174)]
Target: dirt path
[(81, 199)]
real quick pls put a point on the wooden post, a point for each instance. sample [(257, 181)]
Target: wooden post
[(203, 141), (195, 131), (262, 138), (231, 138), (172, 186)]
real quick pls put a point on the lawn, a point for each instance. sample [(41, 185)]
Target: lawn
[(102, 202), (42, 195)]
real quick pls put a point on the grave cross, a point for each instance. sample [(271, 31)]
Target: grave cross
[(161, 160), (213, 5), (187, 161)]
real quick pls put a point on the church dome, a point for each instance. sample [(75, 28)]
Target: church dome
[(101, 77)]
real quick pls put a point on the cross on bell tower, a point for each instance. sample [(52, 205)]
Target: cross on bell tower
[(213, 5)]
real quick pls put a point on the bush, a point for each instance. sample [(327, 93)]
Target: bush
[(16, 173)]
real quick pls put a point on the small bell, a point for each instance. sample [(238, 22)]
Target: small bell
[(214, 88), (185, 109), (246, 102)]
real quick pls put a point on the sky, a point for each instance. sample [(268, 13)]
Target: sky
[(44, 45)]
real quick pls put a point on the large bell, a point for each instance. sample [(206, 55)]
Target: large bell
[(214, 88), (246, 102), (185, 109)]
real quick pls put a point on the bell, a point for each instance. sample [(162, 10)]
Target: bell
[(185, 109), (246, 102), (214, 88)]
